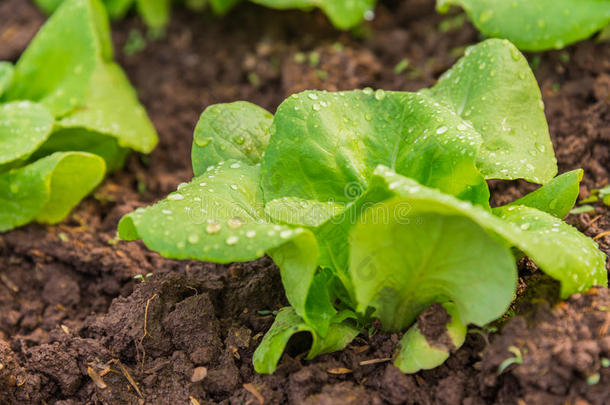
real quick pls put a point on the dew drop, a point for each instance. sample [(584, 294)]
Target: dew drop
[(232, 240), (235, 166), (166, 212), (194, 238), (368, 91), (379, 94), (235, 223), (213, 228), (525, 226), (239, 140), (441, 130), (175, 197), (312, 96), (286, 234), (250, 234), (203, 142), (233, 187)]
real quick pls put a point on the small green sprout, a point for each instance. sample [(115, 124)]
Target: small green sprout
[(314, 59), (517, 359), (135, 43), (401, 66), (593, 379), (601, 194), (142, 278), (582, 209)]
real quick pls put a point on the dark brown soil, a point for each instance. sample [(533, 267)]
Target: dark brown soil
[(76, 328)]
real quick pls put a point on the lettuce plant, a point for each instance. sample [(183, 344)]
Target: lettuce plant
[(154, 12), (535, 25), (374, 204), (344, 14), (67, 113)]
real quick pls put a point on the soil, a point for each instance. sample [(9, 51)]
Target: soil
[(77, 328)]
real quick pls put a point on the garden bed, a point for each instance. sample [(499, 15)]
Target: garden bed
[(76, 327)]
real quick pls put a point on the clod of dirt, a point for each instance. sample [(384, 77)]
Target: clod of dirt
[(432, 324)]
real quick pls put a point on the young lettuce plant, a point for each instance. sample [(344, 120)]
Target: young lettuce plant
[(535, 25), (374, 204), (344, 14), (155, 13), (67, 113)]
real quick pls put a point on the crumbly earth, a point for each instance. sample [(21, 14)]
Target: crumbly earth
[(76, 328)]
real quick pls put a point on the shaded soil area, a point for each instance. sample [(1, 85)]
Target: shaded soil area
[(76, 328)]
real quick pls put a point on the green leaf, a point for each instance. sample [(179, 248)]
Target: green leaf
[(48, 6), (112, 109), (78, 139), (6, 76), (325, 146), (219, 216), (296, 211), (556, 197), (47, 189), (117, 9), (493, 88), (154, 12), (238, 130), (559, 249), (69, 46), (406, 254), (417, 354), (536, 25), (24, 126), (287, 324), (343, 14), (221, 7), (556, 247), (582, 208)]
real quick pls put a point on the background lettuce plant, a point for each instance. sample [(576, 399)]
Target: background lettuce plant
[(374, 204), (344, 14), (67, 114), (535, 25)]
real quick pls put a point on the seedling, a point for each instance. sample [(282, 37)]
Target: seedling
[(63, 125), (374, 205), (602, 194), (535, 25), (142, 278), (156, 13), (517, 359)]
